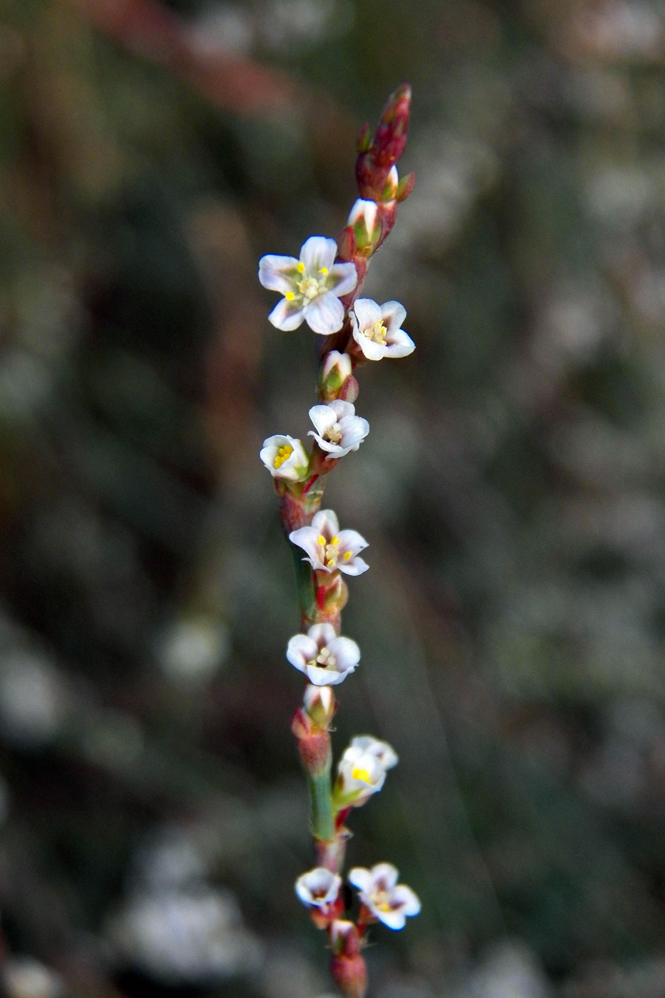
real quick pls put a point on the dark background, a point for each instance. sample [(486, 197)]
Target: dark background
[(512, 625)]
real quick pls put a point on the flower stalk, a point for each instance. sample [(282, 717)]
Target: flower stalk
[(322, 288)]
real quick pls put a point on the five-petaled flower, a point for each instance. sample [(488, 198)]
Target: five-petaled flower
[(328, 548), (376, 329), (338, 429), (312, 286), (318, 888), (385, 899), (359, 775), (325, 659), (285, 457), (368, 745)]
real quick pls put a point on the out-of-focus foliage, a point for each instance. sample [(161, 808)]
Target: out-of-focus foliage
[(513, 621)]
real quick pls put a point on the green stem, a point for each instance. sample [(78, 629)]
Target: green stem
[(304, 582), (323, 821)]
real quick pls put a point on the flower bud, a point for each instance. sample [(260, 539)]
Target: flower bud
[(335, 371), (347, 965), (319, 705), (366, 223)]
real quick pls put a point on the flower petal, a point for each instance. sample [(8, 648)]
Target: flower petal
[(325, 522), (300, 650), (370, 348), (385, 875), (342, 408), (399, 344), (342, 278), (395, 919), (346, 653), (360, 878), (356, 566), (287, 315), (307, 538), (367, 312), (407, 899), (334, 449), (319, 676), (393, 314), (321, 634), (354, 429), (324, 314), (351, 540), (276, 273), (323, 417), (317, 253)]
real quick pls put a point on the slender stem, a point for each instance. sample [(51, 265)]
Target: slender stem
[(323, 822)]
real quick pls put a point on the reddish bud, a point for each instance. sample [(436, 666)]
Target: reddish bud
[(346, 244), (405, 186), (349, 390), (315, 752), (350, 975), (376, 158)]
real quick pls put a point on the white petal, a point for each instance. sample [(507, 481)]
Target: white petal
[(307, 538), (407, 899), (342, 278), (300, 650), (399, 344), (342, 360), (325, 522), (360, 878), (287, 315), (335, 450), (322, 634), (351, 540), (346, 653), (324, 677), (367, 312), (276, 273), (370, 348), (393, 919), (393, 314), (318, 252), (341, 408), (323, 417), (356, 566), (324, 314), (354, 429), (385, 875)]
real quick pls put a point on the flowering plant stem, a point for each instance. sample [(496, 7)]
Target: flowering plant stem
[(321, 288)]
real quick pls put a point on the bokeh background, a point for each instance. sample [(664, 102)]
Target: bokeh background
[(513, 622)]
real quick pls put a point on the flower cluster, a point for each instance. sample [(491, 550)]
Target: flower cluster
[(321, 288)]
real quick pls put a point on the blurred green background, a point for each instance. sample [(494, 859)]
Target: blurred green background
[(512, 625)]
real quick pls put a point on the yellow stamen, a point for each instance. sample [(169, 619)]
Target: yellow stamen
[(330, 563), (283, 454), (335, 540), (289, 295), (322, 540), (361, 774), (347, 555), (324, 271), (301, 268)]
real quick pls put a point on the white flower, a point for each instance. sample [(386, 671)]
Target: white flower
[(328, 548), (338, 429), (285, 457), (390, 902), (322, 656), (358, 777), (312, 286), (319, 887), (376, 329), (366, 744)]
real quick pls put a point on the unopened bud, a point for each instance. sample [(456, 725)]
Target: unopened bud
[(347, 965), (319, 705), (335, 371), (392, 185), (365, 220)]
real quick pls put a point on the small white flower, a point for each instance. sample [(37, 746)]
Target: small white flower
[(312, 286), (358, 777), (322, 656), (319, 887), (376, 329), (366, 744), (390, 902), (328, 548), (338, 429), (285, 457)]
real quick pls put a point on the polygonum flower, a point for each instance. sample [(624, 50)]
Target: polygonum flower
[(358, 777), (388, 901), (319, 887), (376, 329), (338, 429), (328, 548), (325, 658), (312, 286), (368, 745), (285, 457)]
